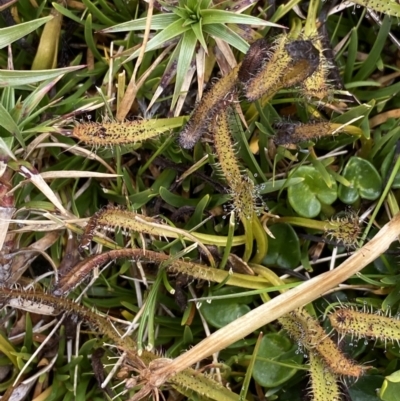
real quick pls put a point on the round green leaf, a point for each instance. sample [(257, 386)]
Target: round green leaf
[(307, 196), (391, 387), (284, 250), (364, 389), (365, 181), (221, 312), (275, 348)]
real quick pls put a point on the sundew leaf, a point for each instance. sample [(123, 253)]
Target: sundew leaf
[(13, 33), (306, 197), (18, 78), (365, 181), (389, 7)]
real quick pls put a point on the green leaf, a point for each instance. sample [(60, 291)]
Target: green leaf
[(8, 349), (273, 186), (284, 250), (89, 38), (351, 56), (275, 350), (364, 389), (223, 32), (358, 116), (306, 197), (365, 181), (188, 44), (6, 146), (67, 13), (97, 13), (390, 390), (18, 78), (212, 16), (13, 33), (160, 21), (33, 99), (197, 29), (176, 200), (369, 65), (354, 112), (392, 298), (173, 30), (7, 122), (387, 163), (221, 312), (202, 4)]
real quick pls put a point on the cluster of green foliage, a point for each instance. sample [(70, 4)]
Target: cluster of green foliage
[(94, 96)]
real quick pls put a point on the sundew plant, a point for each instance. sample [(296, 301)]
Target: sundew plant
[(199, 200)]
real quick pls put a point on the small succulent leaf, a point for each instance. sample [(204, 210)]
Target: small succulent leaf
[(275, 348), (47, 50), (364, 178), (307, 196), (90, 39)]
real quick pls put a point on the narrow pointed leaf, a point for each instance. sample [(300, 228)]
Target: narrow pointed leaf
[(228, 17), (197, 29), (32, 101), (173, 30), (13, 33), (160, 21), (223, 32), (185, 57), (17, 78), (7, 122)]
